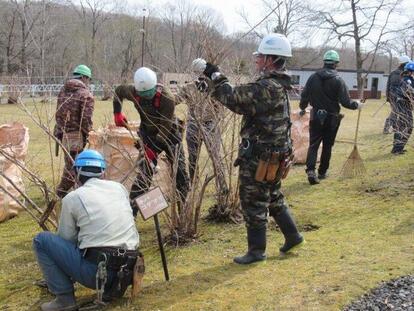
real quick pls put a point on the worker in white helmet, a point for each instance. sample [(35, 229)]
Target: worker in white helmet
[(159, 129)]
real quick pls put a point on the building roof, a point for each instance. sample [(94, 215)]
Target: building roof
[(339, 70)]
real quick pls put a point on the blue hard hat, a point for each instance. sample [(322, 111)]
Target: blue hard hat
[(90, 158), (409, 66)]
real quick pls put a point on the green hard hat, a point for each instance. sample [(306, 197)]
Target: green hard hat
[(83, 70), (331, 56)]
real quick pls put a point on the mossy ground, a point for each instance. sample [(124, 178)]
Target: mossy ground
[(365, 235)]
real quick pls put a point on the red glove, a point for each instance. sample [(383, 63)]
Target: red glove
[(120, 119), (150, 154)]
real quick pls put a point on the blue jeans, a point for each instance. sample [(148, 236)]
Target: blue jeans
[(62, 264)]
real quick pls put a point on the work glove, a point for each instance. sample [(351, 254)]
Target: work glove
[(360, 105), (210, 69), (151, 156), (201, 85), (302, 113), (120, 119)]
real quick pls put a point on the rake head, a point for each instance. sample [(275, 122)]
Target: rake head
[(354, 166)]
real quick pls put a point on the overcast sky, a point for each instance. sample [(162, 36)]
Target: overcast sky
[(227, 8)]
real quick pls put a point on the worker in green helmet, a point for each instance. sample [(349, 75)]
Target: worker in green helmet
[(324, 91), (74, 111)]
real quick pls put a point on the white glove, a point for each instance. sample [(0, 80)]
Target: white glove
[(360, 105), (199, 65)]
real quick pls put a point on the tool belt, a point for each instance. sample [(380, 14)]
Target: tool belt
[(118, 260), (116, 257), (274, 164)]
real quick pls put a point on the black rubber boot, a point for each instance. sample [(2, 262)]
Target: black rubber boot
[(322, 175), (288, 227), (256, 240), (63, 302), (312, 178)]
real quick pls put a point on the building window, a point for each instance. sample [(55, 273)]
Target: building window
[(295, 79), (365, 83)]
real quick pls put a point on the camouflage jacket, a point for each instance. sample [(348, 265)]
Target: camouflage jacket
[(74, 109), (156, 122), (201, 106), (264, 105)]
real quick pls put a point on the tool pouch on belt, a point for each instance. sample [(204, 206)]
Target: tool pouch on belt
[(121, 281), (284, 166), (73, 141), (139, 270), (262, 167), (321, 115), (273, 167)]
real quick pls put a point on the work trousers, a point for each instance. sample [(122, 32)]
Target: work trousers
[(391, 120), (62, 264), (404, 125), (258, 198), (67, 181), (321, 133)]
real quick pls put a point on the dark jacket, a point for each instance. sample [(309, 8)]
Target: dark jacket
[(326, 90), (158, 124)]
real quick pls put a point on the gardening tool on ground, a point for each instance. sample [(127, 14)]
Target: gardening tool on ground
[(354, 166)]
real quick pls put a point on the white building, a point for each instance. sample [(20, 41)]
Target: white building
[(374, 86)]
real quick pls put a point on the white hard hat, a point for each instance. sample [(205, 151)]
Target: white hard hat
[(144, 79), (275, 44), (404, 59)]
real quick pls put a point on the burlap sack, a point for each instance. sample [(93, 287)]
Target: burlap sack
[(14, 139), (117, 145), (300, 135)]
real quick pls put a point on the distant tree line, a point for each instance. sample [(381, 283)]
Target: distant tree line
[(48, 38)]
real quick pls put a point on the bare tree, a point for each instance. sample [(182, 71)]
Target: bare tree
[(94, 14), (366, 23), (8, 35), (289, 17)]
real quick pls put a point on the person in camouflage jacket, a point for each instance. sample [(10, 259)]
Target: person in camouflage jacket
[(159, 130), (74, 110), (265, 127)]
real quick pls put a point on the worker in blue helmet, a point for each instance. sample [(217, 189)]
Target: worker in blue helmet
[(404, 110), (96, 228)]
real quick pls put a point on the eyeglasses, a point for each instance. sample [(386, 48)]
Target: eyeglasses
[(259, 55)]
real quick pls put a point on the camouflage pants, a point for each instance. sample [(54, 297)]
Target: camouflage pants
[(74, 142), (257, 198), (195, 138), (67, 181)]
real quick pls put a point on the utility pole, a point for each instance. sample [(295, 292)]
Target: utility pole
[(143, 37)]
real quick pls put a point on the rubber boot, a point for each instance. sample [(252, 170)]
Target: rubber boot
[(288, 227), (312, 178), (322, 175), (62, 302), (256, 241)]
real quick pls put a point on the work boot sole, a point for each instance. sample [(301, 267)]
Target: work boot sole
[(313, 181), (247, 261), (296, 247)]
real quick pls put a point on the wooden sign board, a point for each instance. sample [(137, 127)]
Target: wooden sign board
[(151, 203)]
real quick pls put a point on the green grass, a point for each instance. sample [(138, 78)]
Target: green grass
[(365, 235)]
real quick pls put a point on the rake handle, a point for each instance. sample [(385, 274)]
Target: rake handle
[(357, 127)]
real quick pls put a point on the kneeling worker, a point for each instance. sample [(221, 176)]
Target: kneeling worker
[(96, 229)]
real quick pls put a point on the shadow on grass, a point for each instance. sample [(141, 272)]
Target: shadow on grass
[(181, 287)]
